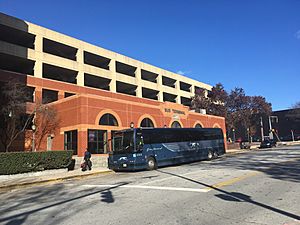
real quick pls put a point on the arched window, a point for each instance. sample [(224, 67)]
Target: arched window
[(108, 120), (198, 125), (146, 122), (176, 124)]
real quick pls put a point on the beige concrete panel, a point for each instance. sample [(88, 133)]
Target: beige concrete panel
[(61, 62), (97, 71), (185, 94), (53, 35), (127, 60), (98, 50), (169, 90), (150, 85), (126, 79), (150, 68)]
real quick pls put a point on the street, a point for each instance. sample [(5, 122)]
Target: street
[(256, 187)]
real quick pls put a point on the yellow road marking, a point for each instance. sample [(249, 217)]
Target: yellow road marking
[(232, 181)]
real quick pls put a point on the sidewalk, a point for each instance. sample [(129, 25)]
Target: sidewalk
[(8, 182)]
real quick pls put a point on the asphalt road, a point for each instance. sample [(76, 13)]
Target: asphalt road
[(258, 187)]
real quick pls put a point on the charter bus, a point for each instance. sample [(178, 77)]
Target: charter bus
[(149, 148)]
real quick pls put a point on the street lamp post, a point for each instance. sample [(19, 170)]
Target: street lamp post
[(233, 131), (33, 127), (248, 134)]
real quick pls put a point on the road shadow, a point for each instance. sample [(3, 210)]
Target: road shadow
[(54, 192), (235, 196), (288, 169), (106, 196)]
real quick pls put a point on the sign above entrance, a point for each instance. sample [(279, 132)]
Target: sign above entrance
[(168, 110)]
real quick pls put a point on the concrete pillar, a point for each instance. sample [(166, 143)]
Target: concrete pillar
[(177, 87), (160, 88), (80, 60), (38, 66), (193, 90), (138, 78), (113, 82)]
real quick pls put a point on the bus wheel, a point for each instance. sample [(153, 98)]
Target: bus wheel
[(151, 163), (210, 155)]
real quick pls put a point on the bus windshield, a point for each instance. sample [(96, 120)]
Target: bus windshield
[(123, 142)]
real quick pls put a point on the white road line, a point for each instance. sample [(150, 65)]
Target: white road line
[(182, 175), (149, 187)]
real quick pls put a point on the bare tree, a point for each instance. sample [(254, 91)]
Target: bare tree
[(13, 117), (296, 105), (241, 112), (200, 100), (14, 120), (46, 121)]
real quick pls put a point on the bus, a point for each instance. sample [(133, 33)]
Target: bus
[(150, 148)]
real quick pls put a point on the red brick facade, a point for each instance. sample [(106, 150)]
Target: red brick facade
[(83, 111)]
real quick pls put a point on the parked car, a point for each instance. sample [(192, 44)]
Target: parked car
[(268, 144)]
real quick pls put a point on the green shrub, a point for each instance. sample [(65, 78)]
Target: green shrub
[(23, 162)]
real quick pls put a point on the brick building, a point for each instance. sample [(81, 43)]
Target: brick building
[(96, 91)]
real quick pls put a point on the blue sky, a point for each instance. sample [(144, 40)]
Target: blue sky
[(252, 44)]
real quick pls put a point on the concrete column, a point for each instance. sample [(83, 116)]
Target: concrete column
[(160, 88), (113, 82), (80, 60), (193, 90), (138, 78), (177, 87), (38, 66)]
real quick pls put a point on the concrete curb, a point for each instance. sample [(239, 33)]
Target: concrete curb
[(52, 180)]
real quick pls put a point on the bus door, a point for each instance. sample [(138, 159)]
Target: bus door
[(139, 155)]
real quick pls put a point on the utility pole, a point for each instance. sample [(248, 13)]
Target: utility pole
[(261, 129)]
